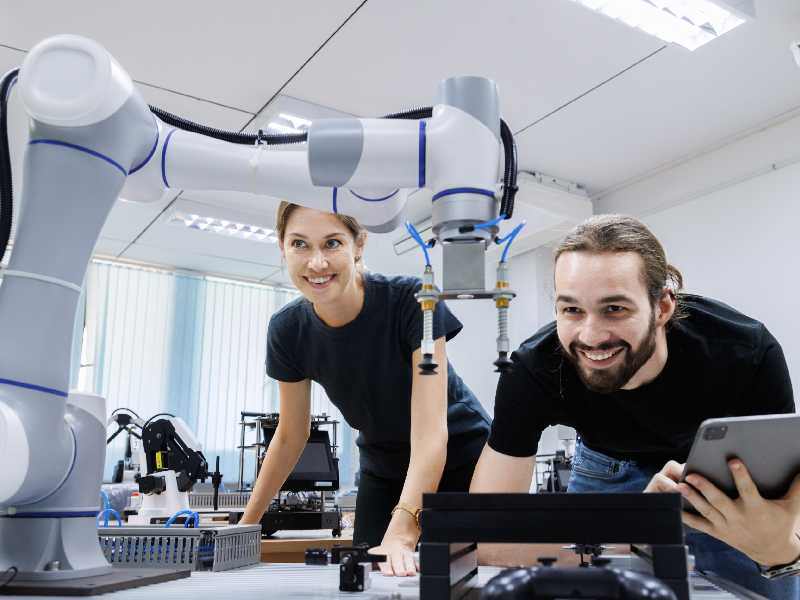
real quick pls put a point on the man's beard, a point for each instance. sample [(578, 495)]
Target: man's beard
[(606, 381)]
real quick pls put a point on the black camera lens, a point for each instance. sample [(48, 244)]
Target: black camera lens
[(715, 433)]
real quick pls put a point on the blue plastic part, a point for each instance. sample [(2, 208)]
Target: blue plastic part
[(193, 516), (83, 149), (418, 238), (150, 155), (31, 386), (164, 157), (492, 223), (509, 239), (365, 199), (463, 190), (104, 514), (195, 519)]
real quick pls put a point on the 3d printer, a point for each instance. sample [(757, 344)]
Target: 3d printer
[(305, 500)]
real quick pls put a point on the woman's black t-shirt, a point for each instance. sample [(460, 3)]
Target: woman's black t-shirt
[(365, 368)]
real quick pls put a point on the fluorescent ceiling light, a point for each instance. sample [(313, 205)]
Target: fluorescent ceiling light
[(689, 23), (286, 123), (224, 227), (297, 122)]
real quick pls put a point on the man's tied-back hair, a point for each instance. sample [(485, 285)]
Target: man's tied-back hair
[(619, 233)]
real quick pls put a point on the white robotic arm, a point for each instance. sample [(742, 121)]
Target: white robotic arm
[(92, 136), (359, 167)]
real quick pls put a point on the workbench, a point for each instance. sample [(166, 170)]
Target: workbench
[(290, 546), (301, 582)]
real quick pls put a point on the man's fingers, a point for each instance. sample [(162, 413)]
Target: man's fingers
[(711, 494), (673, 470), (701, 504), (660, 483), (744, 483), (696, 522), (793, 495)]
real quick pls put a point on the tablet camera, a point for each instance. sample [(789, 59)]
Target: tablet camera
[(715, 433)]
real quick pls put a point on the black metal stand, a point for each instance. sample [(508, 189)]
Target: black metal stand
[(290, 520), (453, 524), (353, 575)]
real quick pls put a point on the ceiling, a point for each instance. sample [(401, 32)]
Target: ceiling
[(591, 101)]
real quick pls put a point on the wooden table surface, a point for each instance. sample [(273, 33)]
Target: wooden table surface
[(290, 546)]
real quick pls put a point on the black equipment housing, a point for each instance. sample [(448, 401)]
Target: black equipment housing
[(454, 523), (317, 470), (160, 439)]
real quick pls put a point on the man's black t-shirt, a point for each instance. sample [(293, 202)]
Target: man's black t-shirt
[(365, 368), (719, 363)]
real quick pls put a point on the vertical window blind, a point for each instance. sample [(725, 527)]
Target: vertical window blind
[(194, 346)]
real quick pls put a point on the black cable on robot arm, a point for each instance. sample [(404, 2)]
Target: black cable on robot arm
[(115, 434), (422, 112), (510, 170), (9, 578), (163, 414), (130, 410), (235, 137), (6, 187)]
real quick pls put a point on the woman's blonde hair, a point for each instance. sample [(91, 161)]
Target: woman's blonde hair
[(285, 210)]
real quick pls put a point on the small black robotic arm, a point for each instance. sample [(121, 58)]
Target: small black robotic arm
[(166, 450), (124, 422)]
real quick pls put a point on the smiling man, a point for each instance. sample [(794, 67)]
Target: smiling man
[(634, 367)]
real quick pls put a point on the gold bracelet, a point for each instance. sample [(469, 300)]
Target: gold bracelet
[(412, 512)]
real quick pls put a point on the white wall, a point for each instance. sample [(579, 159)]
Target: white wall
[(728, 219), (474, 350), (741, 245)]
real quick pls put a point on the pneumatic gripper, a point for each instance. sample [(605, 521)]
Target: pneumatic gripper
[(503, 295), (427, 297)]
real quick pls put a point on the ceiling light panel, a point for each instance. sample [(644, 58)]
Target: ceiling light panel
[(254, 233), (688, 23)]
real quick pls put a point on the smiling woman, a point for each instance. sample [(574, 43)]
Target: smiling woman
[(323, 253), (358, 334)]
